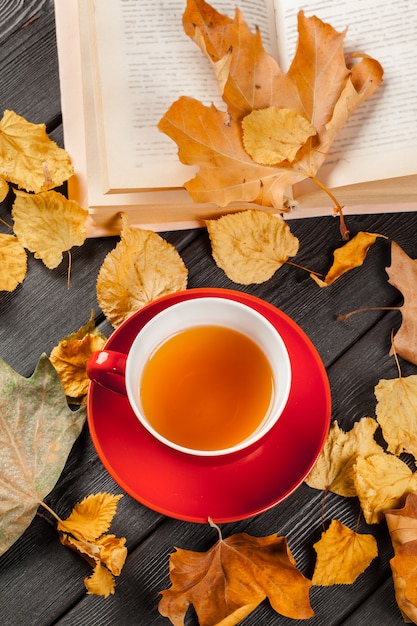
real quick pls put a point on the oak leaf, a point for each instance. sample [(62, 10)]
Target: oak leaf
[(342, 555), (318, 86), (13, 262), (402, 274), (70, 358), (28, 157), (226, 583), (333, 470), (396, 412), (352, 254), (382, 482), (48, 224), (142, 267), (36, 420), (250, 246)]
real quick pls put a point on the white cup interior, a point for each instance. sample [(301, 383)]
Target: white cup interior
[(211, 311)]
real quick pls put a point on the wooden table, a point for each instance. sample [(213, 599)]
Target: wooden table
[(41, 582)]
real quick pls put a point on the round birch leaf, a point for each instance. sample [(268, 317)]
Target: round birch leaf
[(273, 135), (48, 224), (251, 246), (13, 262)]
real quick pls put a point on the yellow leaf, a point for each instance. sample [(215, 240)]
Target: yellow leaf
[(382, 482), (142, 267), (273, 135), (101, 582), (4, 188), (396, 412), (28, 157), (349, 256), (13, 262), (342, 555), (251, 246), (48, 224), (70, 357), (334, 468), (91, 517)]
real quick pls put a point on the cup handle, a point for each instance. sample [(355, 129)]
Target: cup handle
[(108, 369)]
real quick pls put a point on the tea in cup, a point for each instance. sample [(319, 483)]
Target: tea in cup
[(206, 376)]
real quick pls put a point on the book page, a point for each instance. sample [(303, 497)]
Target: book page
[(143, 62), (380, 139)]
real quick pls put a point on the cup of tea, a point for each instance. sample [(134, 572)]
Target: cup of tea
[(206, 376)]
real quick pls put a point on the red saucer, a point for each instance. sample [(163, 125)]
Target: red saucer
[(230, 488)]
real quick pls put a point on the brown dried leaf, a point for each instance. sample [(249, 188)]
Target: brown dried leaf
[(251, 246), (342, 555), (142, 267), (13, 262)]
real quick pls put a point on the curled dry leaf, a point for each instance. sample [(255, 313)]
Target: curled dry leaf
[(342, 555), (352, 254), (382, 482), (403, 275), (226, 583), (334, 468), (396, 412), (142, 267), (36, 420), (13, 262), (48, 224), (251, 246), (70, 358), (28, 157)]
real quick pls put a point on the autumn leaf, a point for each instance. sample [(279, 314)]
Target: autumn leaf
[(142, 267), (352, 254), (70, 358), (13, 262), (396, 412), (333, 470), (226, 583), (382, 482), (250, 246), (342, 555), (403, 275), (28, 157), (84, 531), (4, 188), (35, 420), (48, 224)]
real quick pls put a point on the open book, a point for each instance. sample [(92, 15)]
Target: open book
[(123, 63)]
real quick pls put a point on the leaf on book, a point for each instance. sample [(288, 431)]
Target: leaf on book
[(250, 246), (403, 275), (70, 358), (349, 256), (36, 420), (333, 470), (48, 224), (29, 158), (342, 555), (142, 267), (13, 262), (319, 87), (226, 583)]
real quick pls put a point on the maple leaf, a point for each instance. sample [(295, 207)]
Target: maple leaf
[(142, 267), (28, 157), (36, 420), (342, 555), (382, 482), (403, 275), (71, 354), (318, 87), (352, 254), (250, 246), (333, 470), (48, 224), (13, 262), (396, 412), (84, 531), (226, 583)]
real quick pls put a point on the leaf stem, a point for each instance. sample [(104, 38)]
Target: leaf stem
[(45, 506), (5, 223), (344, 231), (301, 267), (395, 354), (69, 268), (213, 525), (342, 318)]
